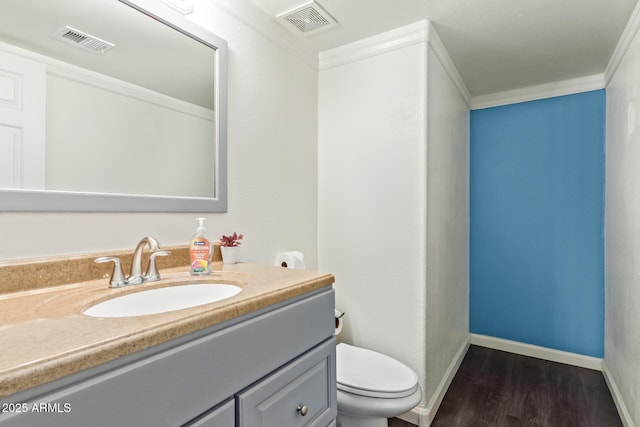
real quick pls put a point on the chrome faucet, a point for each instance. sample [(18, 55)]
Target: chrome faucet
[(136, 277)]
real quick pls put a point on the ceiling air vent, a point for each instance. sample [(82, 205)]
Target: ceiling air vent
[(82, 40), (307, 18)]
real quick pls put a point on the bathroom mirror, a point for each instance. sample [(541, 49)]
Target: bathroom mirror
[(110, 105)]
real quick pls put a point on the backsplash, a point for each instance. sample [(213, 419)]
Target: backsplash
[(20, 275)]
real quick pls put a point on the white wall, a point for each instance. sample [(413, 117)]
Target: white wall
[(396, 241), (622, 234), (447, 225), (372, 199), (272, 163)]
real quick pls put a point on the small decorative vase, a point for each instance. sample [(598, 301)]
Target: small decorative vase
[(230, 254)]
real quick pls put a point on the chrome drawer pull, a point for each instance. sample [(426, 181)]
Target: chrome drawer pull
[(303, 409)]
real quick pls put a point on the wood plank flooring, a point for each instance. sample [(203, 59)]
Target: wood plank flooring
[(494, 388)]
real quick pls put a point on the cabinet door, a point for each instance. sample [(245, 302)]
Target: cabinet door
[(302, 393), (223, 416)]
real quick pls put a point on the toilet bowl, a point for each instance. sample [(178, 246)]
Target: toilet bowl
[(372, 387)]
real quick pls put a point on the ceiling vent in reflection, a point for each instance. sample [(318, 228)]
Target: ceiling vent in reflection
[(307, 18), (82, 40)]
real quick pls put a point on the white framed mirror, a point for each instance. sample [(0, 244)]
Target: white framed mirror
[(110, 106)]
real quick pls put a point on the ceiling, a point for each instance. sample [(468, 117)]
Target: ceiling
[(496, 45)]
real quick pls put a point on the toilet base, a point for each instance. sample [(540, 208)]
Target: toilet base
[(345, 420)]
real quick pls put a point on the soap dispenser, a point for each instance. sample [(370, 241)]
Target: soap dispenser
[(200, 251)]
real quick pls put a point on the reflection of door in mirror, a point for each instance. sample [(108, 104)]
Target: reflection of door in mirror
[(22, 122)]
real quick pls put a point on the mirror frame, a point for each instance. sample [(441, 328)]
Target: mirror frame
[(25, 200)]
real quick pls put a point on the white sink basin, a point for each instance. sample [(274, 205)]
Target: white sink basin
[(162, 300)]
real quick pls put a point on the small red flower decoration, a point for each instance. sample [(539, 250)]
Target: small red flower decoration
[(232, 240)]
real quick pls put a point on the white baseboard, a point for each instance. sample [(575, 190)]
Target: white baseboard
[(538, 352), (423, 416), (418, 416), (625, 416)]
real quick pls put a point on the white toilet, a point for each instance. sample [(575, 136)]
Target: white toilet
[(372, 387)]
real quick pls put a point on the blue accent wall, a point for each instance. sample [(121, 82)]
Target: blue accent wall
[(537, 222)]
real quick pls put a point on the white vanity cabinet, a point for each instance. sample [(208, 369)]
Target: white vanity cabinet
[(273, 367)]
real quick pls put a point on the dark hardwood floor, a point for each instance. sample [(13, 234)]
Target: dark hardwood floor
[(496, 388)]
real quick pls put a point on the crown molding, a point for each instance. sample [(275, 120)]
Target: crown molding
[(629, 33), (408, 35), (388, 41), (532, 93), (443, 56)]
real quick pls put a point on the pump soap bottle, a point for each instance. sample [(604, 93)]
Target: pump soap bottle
[(200, 251)]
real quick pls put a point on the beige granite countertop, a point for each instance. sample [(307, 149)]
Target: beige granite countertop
[(45, 336)]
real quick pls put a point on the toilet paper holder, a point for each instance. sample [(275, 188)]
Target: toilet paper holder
[(338, 316)]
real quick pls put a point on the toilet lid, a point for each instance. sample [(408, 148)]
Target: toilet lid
[(368, 373)]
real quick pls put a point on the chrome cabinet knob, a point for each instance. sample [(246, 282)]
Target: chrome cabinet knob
[(303, 409)]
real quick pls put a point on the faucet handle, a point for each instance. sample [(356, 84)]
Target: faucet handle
[(117, 276), (152, 274)]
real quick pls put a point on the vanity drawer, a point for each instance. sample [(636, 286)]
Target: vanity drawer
[(302, 393), (223, 416)]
